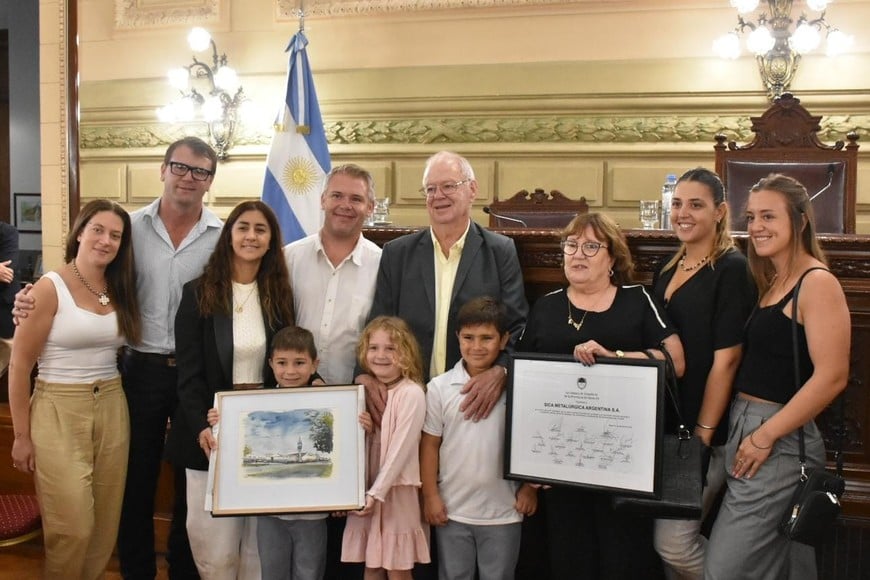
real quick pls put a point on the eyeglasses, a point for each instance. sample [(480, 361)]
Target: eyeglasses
[(181, 169), (589, 249), (446, 188)]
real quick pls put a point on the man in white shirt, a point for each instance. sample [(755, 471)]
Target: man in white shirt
[(333, 272), (333, 275)]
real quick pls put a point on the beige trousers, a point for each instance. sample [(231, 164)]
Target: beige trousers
[(81, 436)]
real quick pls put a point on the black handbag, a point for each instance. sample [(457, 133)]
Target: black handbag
[(815, 505), (682, 469)]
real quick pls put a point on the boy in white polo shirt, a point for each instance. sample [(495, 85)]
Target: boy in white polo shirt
[(477, 511)]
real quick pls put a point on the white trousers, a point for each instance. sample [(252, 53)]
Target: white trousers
[(679, 542), (224, 548)]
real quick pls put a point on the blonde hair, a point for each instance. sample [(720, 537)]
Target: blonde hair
[(803, 228), (407, 348)]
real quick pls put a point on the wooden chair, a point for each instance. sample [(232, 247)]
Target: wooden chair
[(786, 141), (537, 209)]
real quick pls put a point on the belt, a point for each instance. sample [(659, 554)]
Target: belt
[(152, 358)]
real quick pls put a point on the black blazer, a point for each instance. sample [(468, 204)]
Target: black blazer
[(406, 285), (204, 359)]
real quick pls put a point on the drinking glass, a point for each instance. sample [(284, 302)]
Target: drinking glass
[(381, 213), (649, 214)]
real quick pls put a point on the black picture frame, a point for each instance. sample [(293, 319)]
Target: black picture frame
[(598, 427), (27, 212)]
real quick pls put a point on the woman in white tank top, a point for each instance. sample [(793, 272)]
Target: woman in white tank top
[(73, 433)]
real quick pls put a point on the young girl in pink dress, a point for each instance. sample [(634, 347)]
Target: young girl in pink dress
[(388, 534)]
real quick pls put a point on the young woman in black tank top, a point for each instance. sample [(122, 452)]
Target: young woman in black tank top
[(762, 447)]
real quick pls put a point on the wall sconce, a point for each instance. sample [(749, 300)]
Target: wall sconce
[(778, 49), (221, 101)]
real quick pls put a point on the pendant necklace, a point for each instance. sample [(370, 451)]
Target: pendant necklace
[(102, 297), (241, 307), (696, 266), (571, 322)]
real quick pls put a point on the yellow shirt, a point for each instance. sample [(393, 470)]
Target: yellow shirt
[(445, 276)]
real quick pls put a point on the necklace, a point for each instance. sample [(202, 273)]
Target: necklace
[(241, 307), (700, 263), (394, 381), (102, 297), (576, 325)]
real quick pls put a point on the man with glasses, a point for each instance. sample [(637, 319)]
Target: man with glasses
[(427, 276), (173, 238)]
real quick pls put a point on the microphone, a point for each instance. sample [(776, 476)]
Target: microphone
[(831, 170), (487, 210)]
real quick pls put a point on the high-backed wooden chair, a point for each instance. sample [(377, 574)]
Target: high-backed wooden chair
[(537, 209), (786, 141)]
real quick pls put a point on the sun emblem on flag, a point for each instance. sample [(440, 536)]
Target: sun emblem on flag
[(299, 176)]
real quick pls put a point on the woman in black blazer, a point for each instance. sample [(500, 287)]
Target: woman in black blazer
[(223, 329)]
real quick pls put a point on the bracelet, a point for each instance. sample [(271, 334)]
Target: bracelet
[(751, 440), (707, 427)]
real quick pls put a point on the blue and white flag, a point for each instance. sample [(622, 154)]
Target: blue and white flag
[(299, 158)]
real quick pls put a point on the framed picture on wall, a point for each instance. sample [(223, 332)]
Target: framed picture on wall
[(28, 213)]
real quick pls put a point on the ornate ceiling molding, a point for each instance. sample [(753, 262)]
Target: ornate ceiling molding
[(288, 9), (619, 130), (133, 14)]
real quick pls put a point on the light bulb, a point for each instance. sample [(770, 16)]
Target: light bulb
[(198, 39), (817, 5), (760, 41), (178, 78), (166, 114), (839, 42), (744, 6), (212, 109), (805, 38), (727, 46), (227, 79)]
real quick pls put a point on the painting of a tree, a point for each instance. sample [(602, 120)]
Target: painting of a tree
[(321, 432)]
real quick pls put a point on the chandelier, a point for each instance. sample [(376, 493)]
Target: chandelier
[(777, 47), (211, 94)]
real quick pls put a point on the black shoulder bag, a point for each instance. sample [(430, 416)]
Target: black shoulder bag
[(682, 465), (815, 505)]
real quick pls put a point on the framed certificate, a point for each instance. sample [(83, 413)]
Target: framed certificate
[(597, 427), (289, 450)]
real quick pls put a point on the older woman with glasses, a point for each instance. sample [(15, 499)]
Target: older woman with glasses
[(601, 313)]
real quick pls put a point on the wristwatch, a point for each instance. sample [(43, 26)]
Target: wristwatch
[(620, 354)]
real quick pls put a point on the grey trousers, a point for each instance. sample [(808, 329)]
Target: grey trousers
[(745, 541), (291, 549), (464, 549)]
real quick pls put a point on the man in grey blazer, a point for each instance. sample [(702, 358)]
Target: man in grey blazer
[(426, 277)]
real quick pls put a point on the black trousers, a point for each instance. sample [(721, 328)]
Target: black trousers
[(150, 384)]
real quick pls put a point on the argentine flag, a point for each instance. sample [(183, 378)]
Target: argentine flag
[(299, 158)]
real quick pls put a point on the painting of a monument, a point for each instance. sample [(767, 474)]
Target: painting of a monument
[(287, 444)]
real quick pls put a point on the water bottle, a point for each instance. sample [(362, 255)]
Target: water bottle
[(667, 194)]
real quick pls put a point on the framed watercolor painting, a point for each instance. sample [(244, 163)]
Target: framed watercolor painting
[(28, 213), (291, 450)]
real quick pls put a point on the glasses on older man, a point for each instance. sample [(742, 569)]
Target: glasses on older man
[(446, 188), (181, 169), (589, 249)]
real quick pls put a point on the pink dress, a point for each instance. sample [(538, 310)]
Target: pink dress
[(394, 535)]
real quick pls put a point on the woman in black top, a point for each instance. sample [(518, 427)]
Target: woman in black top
[(761, 453), (708, 294), (600, 313)]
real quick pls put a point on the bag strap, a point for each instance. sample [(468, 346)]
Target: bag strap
[(840, 431), (672, 389)]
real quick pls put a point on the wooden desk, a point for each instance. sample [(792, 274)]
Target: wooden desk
[(849, 258)]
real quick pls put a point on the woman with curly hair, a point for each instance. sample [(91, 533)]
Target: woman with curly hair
[(223, 328)]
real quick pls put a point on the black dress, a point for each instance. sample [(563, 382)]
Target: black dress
[(583, 537)]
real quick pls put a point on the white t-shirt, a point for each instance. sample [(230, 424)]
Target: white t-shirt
[(470, 477)]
